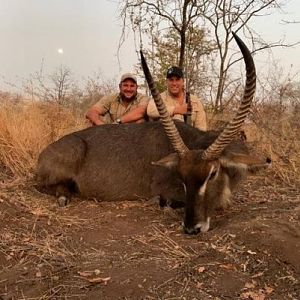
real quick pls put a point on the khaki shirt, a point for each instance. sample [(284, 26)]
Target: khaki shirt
[(114, 107), (198, 117)]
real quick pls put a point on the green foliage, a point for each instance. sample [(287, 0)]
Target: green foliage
[(165, 52)]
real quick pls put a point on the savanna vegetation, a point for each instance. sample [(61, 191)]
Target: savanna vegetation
[(115, 250), (135, 250), (29, 123)]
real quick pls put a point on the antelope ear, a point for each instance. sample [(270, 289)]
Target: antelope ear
[(244, 162), (253, 168), (170, 161)]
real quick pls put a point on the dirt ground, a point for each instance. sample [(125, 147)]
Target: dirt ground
[(136, 250)]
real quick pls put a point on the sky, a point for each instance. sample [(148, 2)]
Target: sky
[(84, 35)]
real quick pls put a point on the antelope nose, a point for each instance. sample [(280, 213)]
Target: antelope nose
[(191, 230)]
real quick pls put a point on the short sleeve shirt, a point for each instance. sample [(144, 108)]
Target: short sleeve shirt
[(198, 117), (115, 108)]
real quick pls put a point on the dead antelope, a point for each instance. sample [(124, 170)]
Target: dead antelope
[(132, 161)]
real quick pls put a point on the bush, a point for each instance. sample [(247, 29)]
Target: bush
[(279, 135), (27, 127)]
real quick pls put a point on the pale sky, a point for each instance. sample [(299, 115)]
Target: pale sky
[(84, 35)]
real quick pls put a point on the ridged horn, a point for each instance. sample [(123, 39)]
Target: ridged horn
[(168, 123), (229, 132)]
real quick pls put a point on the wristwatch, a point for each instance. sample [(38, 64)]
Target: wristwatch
[(118, 121)]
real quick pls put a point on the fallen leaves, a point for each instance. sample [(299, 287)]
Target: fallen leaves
[(98, 280), (258, 275), (250, 285), (253, 295), (201, 269), (259, 294), (85, 273), (90, 277), (38, 274), (228, 267)]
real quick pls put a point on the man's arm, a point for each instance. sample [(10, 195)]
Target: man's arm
[(94, 115), (97, 111), (135, 115), (200, 118)]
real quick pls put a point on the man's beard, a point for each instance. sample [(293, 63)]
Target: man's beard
[(126, 99)]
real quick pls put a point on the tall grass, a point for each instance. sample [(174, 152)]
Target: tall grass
[(273, 130), (26, 128), (279, 134)]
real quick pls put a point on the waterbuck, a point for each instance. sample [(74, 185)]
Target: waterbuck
[(131, 161)]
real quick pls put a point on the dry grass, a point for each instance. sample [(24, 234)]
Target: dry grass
[(26, 128), (279, 136), (273, 131), (163, 244), (34, 242)]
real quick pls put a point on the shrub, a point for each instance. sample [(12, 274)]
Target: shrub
[(27, 127)]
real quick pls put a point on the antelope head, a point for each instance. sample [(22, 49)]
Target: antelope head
[(209, 174)]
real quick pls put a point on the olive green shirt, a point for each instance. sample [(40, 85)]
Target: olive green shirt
[(114, 107), (198, 116)]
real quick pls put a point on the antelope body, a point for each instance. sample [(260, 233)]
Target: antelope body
[(130, 161)]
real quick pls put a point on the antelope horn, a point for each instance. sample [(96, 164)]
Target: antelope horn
[(168, 123), (227, 135)]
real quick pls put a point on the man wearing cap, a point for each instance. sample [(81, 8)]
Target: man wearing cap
[(127, 106), (178, 106)]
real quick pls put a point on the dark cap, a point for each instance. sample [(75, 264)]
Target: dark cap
[(175, 71)]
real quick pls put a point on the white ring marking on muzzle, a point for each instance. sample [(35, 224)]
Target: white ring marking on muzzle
[(204, 226)]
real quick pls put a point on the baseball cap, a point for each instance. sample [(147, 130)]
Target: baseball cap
[(174, 71), (128, 76)]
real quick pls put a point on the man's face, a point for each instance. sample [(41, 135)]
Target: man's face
[(175, 85), (128, 89)]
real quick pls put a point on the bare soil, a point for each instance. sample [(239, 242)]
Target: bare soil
[(136, 250)]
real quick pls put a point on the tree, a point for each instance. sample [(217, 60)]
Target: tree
[(171, 28), (225, 16), (58, 87), (220, 17), (179, 14), (95, 87), (165, 52)]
